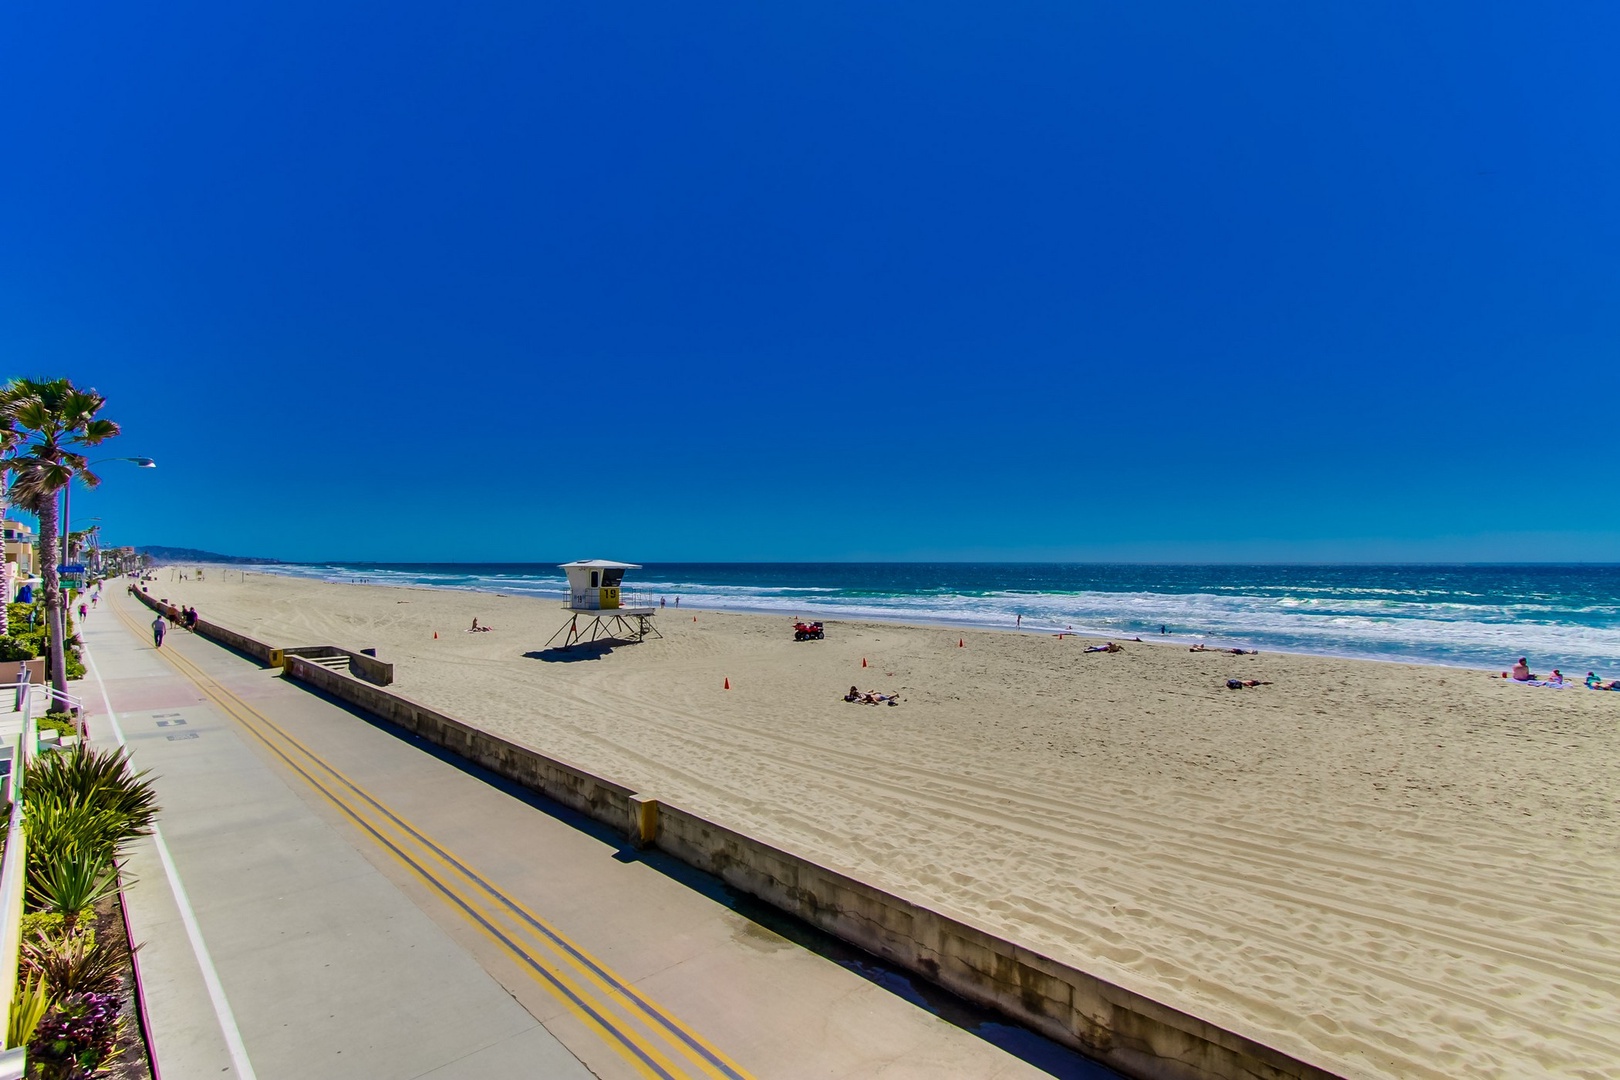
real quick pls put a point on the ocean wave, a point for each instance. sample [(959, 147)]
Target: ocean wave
[(1426, 625)]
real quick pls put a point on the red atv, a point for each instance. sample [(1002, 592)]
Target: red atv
[(808, 631)]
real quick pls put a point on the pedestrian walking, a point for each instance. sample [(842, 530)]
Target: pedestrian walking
[(157, 632)]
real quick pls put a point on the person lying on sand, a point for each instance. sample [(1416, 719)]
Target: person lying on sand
[(1200, 647), (476, 629), (1239, 684), (1595, 683), (875, 698), (1107, 647), (853, 695), (1244, 652)]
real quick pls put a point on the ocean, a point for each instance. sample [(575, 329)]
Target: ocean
[(1467, 616)]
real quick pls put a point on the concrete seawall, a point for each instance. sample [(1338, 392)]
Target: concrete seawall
[(1127, 1030), (367, 667)]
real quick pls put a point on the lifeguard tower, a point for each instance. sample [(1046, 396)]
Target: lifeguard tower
[(594, 591)]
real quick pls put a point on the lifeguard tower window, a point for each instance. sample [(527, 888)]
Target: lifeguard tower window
[(596, 579), (611, 578)]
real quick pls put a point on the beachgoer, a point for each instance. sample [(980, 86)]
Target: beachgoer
[(1164, 629), (1020, 621), (661, 602), (1556, 678), (474, 629), (83, 611), (157, 632), (1521, 671), (1200, 647), (95, 598), (853, 695), (1239, 684)]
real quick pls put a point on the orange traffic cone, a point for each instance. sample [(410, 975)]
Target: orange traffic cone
[(435, 635), (728, 684), (863, 661), (960, 643)]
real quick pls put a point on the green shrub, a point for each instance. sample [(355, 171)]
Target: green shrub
[(102, 779), (13, 649), (58, 721), (72, 963), (71, 880), (18, 615), (85, 800), (27, 1008), (56, 830), (47, 925)]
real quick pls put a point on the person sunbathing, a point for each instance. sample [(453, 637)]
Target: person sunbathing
[(1239, 684), (476, 629), (1521, 671), (1107, 647), (1595, 683), (1200, 647), (872, 697), (853, 695)]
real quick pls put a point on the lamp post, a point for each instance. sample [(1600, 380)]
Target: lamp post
[(67, 531)]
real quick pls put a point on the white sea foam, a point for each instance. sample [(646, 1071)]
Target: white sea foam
[(1377, 623)]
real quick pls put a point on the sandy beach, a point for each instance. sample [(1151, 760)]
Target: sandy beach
[(1390, 870)]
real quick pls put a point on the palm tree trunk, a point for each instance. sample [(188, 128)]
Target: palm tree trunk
[(5, 582), (51, 585)]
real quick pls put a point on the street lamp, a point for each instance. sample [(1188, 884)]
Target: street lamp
[(67, 532)]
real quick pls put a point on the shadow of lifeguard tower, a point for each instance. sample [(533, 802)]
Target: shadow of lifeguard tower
[(594, 592)]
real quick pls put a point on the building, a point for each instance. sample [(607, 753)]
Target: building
[(20, 548)]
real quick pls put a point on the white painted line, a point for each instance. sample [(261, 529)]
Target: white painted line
[(216, 992)]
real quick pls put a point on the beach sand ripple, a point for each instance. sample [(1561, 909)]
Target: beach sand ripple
[(1391, 870)]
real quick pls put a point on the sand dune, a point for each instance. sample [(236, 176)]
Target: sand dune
[(1390, 870)]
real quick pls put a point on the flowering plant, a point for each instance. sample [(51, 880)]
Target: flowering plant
[(77, 1037)]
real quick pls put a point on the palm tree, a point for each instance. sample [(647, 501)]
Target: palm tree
[(59, 418), (9, 438), (87, 542)]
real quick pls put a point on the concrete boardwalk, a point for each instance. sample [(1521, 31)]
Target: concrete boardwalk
[(374, 910)]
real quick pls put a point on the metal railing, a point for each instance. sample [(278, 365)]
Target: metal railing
[(590, 601), (12, 868)]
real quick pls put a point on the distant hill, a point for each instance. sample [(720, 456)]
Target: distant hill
[(192, 555)]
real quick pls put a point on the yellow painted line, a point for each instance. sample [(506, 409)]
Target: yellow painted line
[(648, 1060), (703, 1053), (559, 986)]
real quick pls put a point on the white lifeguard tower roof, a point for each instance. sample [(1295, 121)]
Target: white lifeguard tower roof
[(593, 591)]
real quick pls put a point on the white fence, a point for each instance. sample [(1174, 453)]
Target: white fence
[(12, 869)]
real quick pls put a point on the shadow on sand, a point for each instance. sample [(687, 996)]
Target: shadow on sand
[(573, 654)]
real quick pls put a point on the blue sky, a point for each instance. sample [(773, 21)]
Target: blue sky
[(744, 281)]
